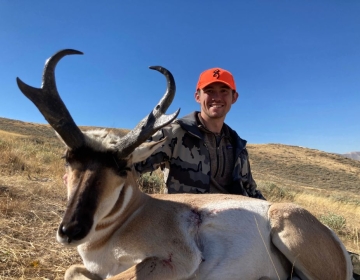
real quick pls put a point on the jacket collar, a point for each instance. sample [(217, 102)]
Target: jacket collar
[(189, 124)]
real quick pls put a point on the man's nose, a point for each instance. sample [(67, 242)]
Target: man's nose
[(215, 95)]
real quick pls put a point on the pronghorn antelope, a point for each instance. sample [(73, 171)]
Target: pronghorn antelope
[(122, 233)]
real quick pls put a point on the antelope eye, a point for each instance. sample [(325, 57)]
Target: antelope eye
[(66, 162), (122, 173)]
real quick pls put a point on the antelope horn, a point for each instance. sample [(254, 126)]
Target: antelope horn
[(49, 103), (152, 122)]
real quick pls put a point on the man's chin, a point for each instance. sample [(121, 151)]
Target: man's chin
[(216, 115)]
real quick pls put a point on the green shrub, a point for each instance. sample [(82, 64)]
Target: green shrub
[(334, 221), (151, 183), (274, 193)]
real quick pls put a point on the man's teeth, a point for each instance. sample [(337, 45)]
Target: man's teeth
[(216, 106)]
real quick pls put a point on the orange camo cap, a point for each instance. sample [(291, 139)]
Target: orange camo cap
[(216, 75)]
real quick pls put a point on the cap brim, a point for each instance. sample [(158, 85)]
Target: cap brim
[(209, 83)]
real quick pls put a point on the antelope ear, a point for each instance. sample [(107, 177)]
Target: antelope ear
[(143, 151)]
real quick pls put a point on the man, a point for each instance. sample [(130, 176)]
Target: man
[(202, 154)]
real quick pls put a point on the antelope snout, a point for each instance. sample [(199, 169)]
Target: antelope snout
[(69, 233)]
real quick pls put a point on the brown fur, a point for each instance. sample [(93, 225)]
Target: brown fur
[(296, 228)]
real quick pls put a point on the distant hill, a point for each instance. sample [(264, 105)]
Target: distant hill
[(353, 155), (39, 130), (301, 167)]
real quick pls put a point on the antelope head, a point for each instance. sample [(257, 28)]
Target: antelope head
[(98, 163)]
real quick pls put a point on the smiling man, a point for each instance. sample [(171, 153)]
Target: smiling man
[(201, 154)]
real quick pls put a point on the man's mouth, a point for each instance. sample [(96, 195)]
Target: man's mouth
[(216, 105)]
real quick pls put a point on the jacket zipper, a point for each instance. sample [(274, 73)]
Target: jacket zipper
[(217, 160), (223, 169), (207, 148)]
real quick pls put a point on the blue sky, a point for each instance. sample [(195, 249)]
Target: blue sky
[(296, 63)]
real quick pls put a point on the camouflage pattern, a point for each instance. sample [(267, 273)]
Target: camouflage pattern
[(185, 160), (355, 259)]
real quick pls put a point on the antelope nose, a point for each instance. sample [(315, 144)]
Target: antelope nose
[(73, 231)]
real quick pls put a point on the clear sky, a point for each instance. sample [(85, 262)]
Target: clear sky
[(296, 63)]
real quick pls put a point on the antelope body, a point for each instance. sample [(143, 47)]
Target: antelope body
[(123, 233)]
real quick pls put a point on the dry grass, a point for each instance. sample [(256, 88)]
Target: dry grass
[(32, 200), (28, 219), (32, 196)]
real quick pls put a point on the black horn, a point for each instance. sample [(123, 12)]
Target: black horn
[(51, 106), (152, 122)]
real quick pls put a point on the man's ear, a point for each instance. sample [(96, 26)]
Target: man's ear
[(197, 96), (235, 96)]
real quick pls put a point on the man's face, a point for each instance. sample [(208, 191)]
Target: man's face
[(216, 100)]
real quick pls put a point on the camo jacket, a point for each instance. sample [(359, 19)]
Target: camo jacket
[(185, 160)]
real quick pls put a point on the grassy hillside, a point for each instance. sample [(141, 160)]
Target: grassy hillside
[(33, 198), (302, 167)]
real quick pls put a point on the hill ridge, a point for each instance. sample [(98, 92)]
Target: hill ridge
[(41, 130)]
